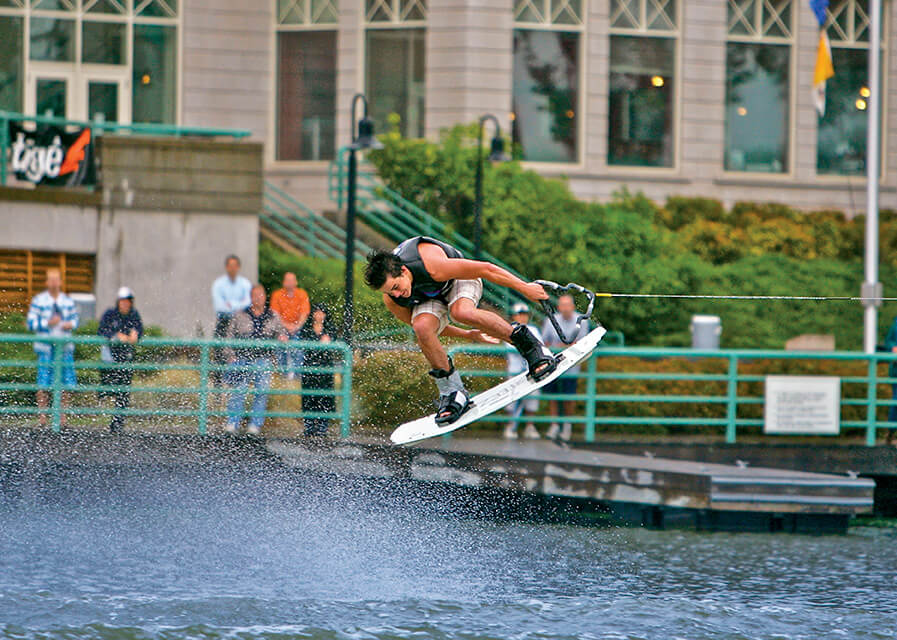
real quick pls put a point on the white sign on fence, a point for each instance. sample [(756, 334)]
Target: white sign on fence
[(802, 405)]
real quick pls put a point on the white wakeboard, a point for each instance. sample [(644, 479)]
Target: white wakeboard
[(499, 396)]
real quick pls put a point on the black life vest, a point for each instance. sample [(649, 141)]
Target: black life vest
[(423, 286)]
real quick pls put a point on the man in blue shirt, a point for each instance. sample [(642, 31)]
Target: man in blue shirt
[(53, 314), (230, 294)]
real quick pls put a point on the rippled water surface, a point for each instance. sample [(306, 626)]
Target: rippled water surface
[(170, 555)]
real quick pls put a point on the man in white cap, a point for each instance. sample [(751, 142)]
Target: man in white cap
[(516, 364), (123, 327)]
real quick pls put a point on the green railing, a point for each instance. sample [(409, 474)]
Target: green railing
[(388, 213), (719, 390), (303, 228), (174, 380), (146, 129)]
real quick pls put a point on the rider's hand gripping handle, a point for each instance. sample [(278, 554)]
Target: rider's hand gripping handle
[(550, 309)]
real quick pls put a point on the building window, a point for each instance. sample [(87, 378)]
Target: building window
[(12, 71), (154, 78), (395, 63), (306, 80), (758, 85), (110, 59), (642, 102), (546, 96), (841, 140)]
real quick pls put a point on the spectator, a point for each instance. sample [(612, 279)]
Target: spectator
[(891, 346), (516, 364), (318, 330), (565, 384), (230, 294), (292, 305), (53, 314), (251, 365), (123, 327)]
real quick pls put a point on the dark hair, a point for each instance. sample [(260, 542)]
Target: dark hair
[(232, 257), (381, 264)]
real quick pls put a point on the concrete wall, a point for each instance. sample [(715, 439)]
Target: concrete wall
[(170, 259), (40, 224)]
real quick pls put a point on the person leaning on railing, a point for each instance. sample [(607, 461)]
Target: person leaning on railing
[(318, 329), (230, 294), (53, 314), (123, 327), (251, 365)]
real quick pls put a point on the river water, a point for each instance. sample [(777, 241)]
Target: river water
[(165, 554)]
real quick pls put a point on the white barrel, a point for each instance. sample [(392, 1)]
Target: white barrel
[(705, 332)]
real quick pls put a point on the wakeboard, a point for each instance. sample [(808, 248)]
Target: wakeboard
[(499, 396)]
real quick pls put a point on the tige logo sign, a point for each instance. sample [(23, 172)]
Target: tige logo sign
[(52, 156)]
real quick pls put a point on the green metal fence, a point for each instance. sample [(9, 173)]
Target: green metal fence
[(103, 127), (174, 380), (716, 389)]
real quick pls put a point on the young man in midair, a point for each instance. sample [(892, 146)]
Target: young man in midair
[(425, 284)]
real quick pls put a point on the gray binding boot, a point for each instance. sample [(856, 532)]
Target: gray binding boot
[(453, 398)]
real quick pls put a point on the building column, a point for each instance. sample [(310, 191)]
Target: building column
[(349, 65), (469, 62), (702, 92)]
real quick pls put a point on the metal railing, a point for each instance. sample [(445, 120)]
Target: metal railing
[(388, 213), (304, 228), (146, 129), (173, 379), (715, 389)]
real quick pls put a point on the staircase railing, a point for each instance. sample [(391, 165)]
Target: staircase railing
[(303, 228)]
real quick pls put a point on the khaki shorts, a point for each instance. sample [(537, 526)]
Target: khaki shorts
[(470, 289)]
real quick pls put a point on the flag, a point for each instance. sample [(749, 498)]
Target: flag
[(819, 7), (824, 68), (823, 71)]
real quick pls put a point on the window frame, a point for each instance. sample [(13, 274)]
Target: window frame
[(759, 38), (845, 179), (581, 29), (643, 31), (274, 106), (82, 71), (395, 24)]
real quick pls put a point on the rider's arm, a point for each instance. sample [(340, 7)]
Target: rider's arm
[(443, 268), (403, 314)]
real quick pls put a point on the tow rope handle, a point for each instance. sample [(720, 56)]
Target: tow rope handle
[(550, 309)]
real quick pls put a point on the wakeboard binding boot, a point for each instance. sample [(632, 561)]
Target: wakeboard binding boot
[(453, 398), (541, 361)]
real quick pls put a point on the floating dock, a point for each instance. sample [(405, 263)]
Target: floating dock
[(636, 489), (642, 490)]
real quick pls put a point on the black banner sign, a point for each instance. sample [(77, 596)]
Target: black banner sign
[(50, 156)]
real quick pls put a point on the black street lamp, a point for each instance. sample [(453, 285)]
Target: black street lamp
[(361, 140), (496, 154)]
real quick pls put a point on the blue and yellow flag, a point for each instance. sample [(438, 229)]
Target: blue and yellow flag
[(824, 68)]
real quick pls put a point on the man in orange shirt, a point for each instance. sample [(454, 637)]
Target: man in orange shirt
[(292, 305)]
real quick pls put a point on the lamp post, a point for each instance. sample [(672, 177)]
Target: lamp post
[(872, 289), (362, 139), (496, 154)]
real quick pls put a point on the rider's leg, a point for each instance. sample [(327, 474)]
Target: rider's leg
[(426, 328), (465, 311)]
